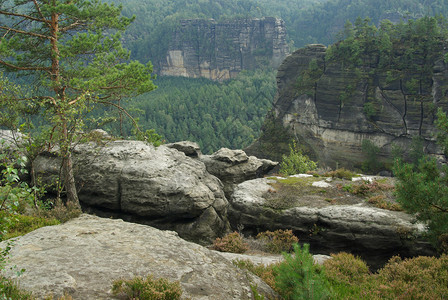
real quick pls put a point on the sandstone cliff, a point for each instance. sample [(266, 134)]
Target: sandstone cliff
[(220, 50), (342, 107)]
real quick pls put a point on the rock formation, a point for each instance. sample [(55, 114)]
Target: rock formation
[(84, 256), (234, 166), (345, 223), (170, 187), (159, 186), (342, 108), (220, 50)]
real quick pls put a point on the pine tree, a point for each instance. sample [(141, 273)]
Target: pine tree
[(71, 52)]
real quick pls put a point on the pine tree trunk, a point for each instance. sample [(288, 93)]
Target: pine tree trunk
[(69, 180)]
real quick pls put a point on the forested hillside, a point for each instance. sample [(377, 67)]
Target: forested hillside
[(212, 114)]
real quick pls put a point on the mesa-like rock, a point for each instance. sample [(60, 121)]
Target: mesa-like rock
[(345, 106), (220, 50), (84, 256)]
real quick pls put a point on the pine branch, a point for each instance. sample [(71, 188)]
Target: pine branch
[(26, 32), (6, 13), (439, 208), (36, 5), (24, 68)]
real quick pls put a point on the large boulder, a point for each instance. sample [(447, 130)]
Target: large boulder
[(84, 256), (348, 224), (159, 186), (235, 166)]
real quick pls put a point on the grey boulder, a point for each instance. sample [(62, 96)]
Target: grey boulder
[(84, 256), (161, 187)]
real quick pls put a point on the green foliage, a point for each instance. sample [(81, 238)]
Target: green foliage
[(299, 278), (266, 273), (341, 173), (278, 241), (370, 150), (414, 278), (22, 224), (307, 80), (14, 194), (147, 289), (422, 189), (74, 60), (346, 274), (215, 115), (296, 162), (232, 242)]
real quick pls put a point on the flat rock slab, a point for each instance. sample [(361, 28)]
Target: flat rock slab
[(84, 256)]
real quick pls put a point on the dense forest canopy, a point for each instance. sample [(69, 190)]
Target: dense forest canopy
[(213, 114)]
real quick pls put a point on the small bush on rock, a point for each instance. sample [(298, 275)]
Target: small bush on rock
[(147, 288), (296, 162), (232, 242), (278, 241), (341, 173)]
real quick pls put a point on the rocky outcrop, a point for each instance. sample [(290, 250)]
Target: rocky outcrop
[(84, 256), (330, 221), (159, 186), (344, 106), (235, 166), (220, 50)]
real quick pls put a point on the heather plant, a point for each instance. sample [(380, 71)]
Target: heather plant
[(346, 274), (414, 278), (147, 288), (299, 278), (341, 173), (381, 202), (232, 242), (296, 162), (278, 241), (266, 273)]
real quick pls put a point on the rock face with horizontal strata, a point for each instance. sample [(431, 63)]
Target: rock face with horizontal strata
[(220, 50), (331, 120), (84, 256)]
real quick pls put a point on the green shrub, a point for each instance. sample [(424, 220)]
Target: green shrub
[(371, 164), (346, 274), (147, 288), (296, 162), (278, 241), (423, 190), (299, 278), (232, 242)]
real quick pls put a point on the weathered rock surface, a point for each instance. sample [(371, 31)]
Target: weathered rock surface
[(84, 256), (350, 225), (220, 50), (159, 186), (191, 149), (332, 130), (235, 166)]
